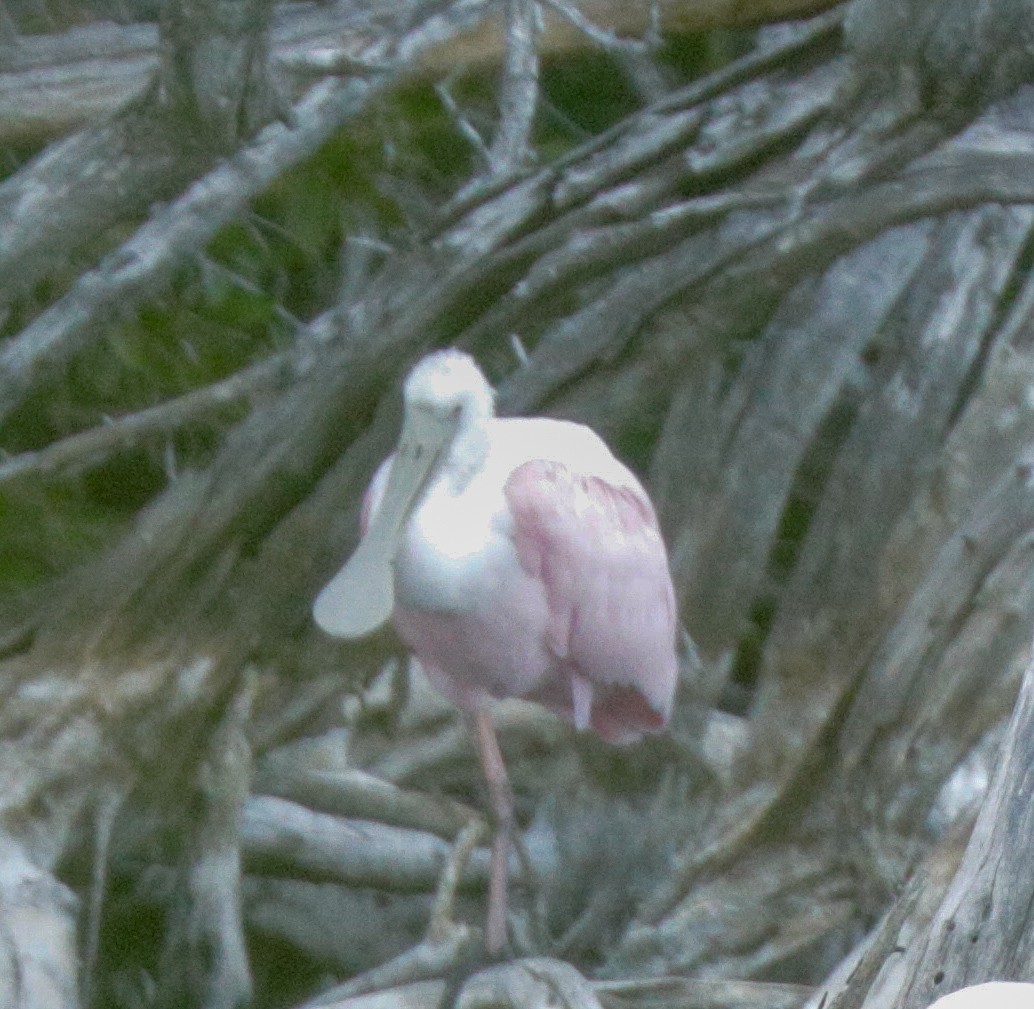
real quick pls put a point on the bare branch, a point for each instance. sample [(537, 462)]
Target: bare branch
[(52, 84), (118, 434), (361, 795), (281, 837), (39, 962), (716, 994), (605, 38), (143, 264), (511, 148)]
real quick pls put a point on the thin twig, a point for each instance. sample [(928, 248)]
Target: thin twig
[(108, 808), (462, 123), (212, 267), (91, 447), (602, 37), (139, 268), (442, 922), (441, 949)]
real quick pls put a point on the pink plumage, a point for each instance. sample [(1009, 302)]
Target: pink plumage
[(575, 609), (516, 558), (598, 554)]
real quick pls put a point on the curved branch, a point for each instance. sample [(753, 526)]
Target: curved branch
[(138, 269), (119, 434), (52, 84), (39, 961)]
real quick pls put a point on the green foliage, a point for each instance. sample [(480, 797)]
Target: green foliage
[(263, 277), (47, 529)]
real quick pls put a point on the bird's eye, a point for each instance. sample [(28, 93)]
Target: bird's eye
[(456, 411)]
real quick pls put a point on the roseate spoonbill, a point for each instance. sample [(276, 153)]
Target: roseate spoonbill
[(993, 995), (516, 558)]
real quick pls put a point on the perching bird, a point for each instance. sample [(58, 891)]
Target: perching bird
[(516, 558), (993, 995)]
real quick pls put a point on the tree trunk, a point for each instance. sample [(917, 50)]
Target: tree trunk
[(794, 292)]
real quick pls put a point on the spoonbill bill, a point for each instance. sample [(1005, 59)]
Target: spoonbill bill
[(993, 995), (516, 557)]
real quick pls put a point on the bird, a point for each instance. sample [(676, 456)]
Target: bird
[(516, 557), (993, 995)]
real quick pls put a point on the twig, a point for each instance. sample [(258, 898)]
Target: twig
[(209, 267), (138, 269), (586, 924), (93, 446), (441, 923), (602, 37), (108, 808), (465, 127), (520, 353), (444, 945)]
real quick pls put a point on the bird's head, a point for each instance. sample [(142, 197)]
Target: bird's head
[(447, 404), (446, 392)]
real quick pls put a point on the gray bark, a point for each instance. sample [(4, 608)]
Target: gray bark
[(797, 292)]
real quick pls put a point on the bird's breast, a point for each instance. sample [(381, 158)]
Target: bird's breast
[(456, 548), (458, 552)]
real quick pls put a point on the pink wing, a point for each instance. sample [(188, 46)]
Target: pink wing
[(598, 551)]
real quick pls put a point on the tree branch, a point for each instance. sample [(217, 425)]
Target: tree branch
[(51, 84), (139, 268), (93, 446)]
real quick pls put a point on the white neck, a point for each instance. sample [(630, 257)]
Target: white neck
[(470, 444)]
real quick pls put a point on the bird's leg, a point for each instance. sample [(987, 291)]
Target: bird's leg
[(500, 795)]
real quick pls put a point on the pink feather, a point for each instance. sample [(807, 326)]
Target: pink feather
[(585, 603)]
